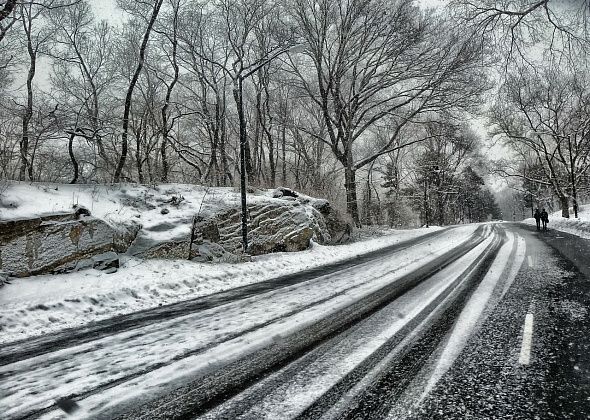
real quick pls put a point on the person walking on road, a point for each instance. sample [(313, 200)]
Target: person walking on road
[(537, 217), (544, 219)]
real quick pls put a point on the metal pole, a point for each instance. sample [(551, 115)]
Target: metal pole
[(426, 201), (243, 138)]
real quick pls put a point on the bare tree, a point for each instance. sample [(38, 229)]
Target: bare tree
[(237, 22), (8, 17), (205, 56), (7, 8), (36, 35), (545, 113), (509, 27), (82, 74), (9, 11), (377, 63), (170, 33), (136, 7)]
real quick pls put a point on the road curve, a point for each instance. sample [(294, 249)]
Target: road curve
[(307, 313)]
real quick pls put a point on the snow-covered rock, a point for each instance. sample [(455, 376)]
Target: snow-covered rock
[(4, 278), (338, 227), (57, 242), (107, 262), (275, 225), (165, 222)]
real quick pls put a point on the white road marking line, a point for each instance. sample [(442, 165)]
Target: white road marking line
[(527, 340), (530, 260)]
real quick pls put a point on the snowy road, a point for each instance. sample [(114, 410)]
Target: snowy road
[(374, 337)]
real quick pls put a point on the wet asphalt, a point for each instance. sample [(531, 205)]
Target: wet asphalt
[(488, 382), (191, 400)]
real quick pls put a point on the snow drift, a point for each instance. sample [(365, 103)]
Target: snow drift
[(579, 226)]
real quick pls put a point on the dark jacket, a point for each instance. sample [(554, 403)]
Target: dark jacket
[(545, 216), (537, 215)]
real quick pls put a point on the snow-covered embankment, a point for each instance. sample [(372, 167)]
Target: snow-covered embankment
[(579, 226)]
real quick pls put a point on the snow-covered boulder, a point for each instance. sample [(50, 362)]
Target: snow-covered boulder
[(171, 221), (337, 226), (277, 222), (107, 262), (274, 226), (56, 242)]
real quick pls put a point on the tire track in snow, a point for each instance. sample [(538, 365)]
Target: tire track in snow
[(270, 355), (312, 384), (36, 346), (191, 353), (472, 313), (488, 294), (381, 388)]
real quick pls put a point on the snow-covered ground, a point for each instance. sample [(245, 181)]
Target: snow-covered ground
[(44, 304), (576, 226), (120, 204)]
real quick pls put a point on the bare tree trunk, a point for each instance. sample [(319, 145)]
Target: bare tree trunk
[(213, 169), (572, 162), (170, 88), (7, 9), (163, 152), (297, 177), (128, 97), (563, 198), (267, 128), (256, 142), (225, 168), (248, 161), (73, 158), (28, 114), (284, 154), (575, 198), (426, 207), (271, 162), (564, 203), (138, 160), (351, 194)]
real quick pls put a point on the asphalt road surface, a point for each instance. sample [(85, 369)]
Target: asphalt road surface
[(491, 322)]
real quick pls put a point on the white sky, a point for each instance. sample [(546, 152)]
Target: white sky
[(431, 3), (106, 9)]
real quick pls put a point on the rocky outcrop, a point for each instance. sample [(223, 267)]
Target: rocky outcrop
[(57, 242), (107, 262), (286, 223), (276, 226), (273, 227), (279, 221), (338, 228)]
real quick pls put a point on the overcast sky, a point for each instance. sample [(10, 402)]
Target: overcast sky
[(107, 9)]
